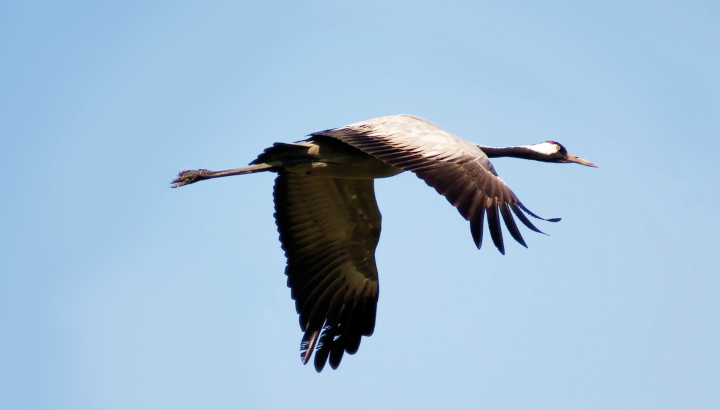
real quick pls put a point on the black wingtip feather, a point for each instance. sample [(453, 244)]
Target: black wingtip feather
[(307, 345), (353, 333), (337, 344), (494, 225), (336, 355), (323, 349), (524, 219), (368, 318), (476, 226), (510, 224), (535, 216)]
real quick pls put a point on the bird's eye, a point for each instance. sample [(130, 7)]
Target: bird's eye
[(557, 148)]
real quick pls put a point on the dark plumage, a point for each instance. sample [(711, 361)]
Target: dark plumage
[(329, 222)]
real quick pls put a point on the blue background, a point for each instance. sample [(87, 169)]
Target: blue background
[(117, 292)]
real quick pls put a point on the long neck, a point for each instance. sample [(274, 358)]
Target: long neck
[(515, 152)]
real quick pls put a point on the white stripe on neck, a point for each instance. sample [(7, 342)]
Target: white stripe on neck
[(543, 148)]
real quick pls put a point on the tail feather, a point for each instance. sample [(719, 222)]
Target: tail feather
[(281, 151)]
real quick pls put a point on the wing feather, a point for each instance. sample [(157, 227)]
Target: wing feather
[(457, 169), (329, 229), (494, 226)]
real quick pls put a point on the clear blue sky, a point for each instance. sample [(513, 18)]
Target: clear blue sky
[(117, 292)]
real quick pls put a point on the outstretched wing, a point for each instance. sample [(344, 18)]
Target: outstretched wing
[(329, 229), (456, 168)]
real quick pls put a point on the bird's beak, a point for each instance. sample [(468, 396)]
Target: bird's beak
[(575, 158)]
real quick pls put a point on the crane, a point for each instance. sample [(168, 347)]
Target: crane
[(329, 222)]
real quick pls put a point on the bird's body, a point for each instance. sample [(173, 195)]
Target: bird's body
[(329, 222)]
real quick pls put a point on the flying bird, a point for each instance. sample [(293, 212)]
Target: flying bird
[(329, 222)]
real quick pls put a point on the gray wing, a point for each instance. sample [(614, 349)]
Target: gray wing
[(329, 229), (456, 168)]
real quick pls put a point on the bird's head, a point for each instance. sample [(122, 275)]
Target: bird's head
[(551, 151)]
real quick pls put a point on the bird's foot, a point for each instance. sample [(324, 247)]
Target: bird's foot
[(186, 177)]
